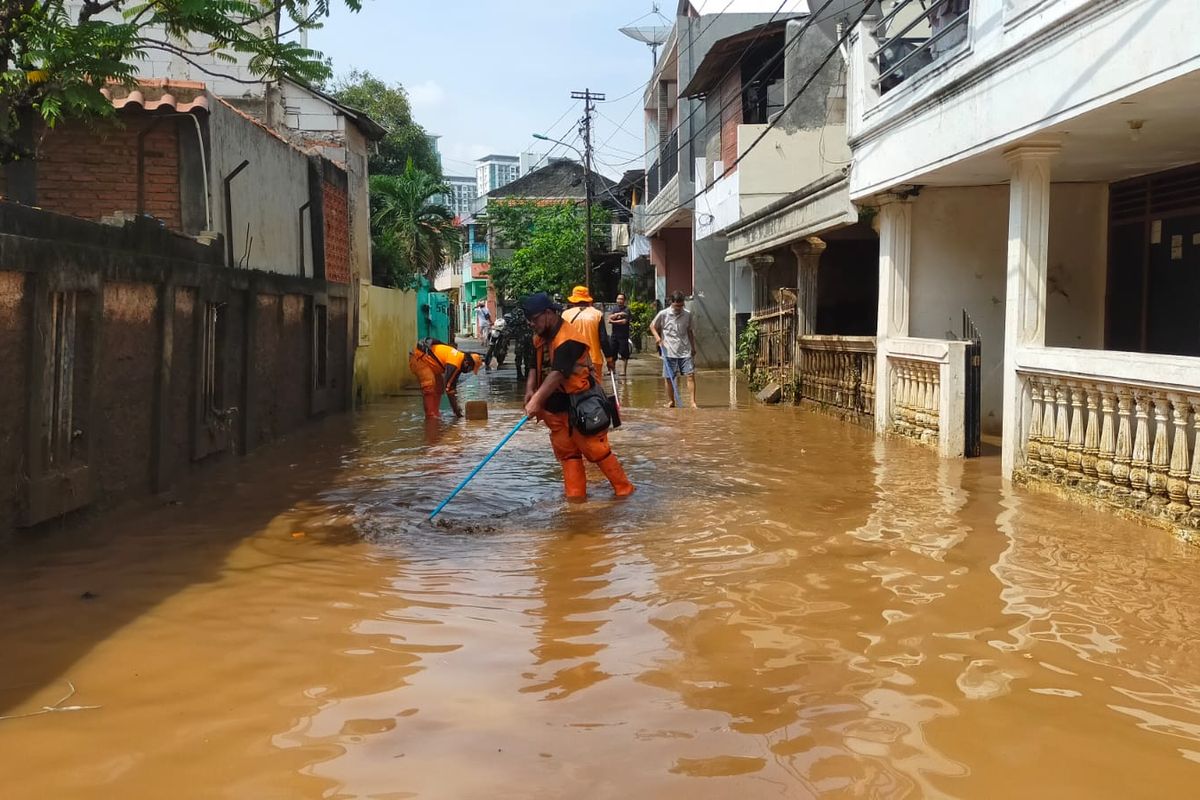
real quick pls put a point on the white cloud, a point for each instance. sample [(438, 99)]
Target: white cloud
[(426, 94)]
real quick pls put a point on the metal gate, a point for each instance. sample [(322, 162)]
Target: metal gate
[(974, 388)]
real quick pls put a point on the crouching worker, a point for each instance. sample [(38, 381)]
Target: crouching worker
[(562, 392), (438, 367)]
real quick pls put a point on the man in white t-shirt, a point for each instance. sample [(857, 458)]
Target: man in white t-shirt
[(483, 321), (672, 330)]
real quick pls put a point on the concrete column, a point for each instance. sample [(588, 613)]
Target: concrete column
[(895, 244), (733, 271), (808, 261), (1025, 299)]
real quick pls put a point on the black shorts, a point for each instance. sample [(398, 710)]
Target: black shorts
[(622, 344)]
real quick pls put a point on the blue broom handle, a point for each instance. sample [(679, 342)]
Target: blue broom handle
[(677, 398), (475, 471)]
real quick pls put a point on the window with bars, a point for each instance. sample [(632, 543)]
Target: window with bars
[(212, 346)]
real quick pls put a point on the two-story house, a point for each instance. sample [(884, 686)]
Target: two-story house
[(1036, 164)]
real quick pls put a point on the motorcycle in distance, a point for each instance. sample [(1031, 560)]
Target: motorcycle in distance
[(497, 344)]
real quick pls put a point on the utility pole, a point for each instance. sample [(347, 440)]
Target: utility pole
[(585, 128)]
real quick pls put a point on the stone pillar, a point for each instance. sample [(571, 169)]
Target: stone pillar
[(1025, 299), (895, 238), (808, 260)]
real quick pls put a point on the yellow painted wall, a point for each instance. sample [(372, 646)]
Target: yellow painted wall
[(390, 333)]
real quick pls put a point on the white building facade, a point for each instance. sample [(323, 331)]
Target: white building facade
[(494, 171), (463, 191), (1036, 164)]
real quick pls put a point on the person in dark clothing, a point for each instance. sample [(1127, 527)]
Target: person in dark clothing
[(619, 320)]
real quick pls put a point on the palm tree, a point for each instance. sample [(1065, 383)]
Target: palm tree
[(413, 235)]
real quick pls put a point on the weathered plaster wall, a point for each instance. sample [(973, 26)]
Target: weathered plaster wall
[(710, 303), (383, 364), (145, 428), (266, 195), (14, 354), (959, 257)]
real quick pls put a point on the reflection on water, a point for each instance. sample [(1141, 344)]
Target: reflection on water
[(787, 607)]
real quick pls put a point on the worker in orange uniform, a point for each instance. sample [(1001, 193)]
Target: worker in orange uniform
[(589, 321), (563, 367), (438, 367)]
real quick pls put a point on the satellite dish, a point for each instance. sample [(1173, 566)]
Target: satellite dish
[(651, 35)]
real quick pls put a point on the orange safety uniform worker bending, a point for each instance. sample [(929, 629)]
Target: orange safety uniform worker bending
[(589, 321), (438, 367), (562, 367)]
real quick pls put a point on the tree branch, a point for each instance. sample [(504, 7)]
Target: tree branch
[(205, 70)]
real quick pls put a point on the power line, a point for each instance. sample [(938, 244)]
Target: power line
[(588, 97), (642, 87), (769, 64), (620, 126), (549, 128), (762, 134)]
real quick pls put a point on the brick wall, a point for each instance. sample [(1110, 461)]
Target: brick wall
[(337, 232), (92, 173)]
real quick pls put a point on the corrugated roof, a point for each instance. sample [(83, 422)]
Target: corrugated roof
[(558, 180), (727, 52)]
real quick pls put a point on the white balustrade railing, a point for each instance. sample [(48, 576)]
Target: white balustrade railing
[(838, 373), (927, 392), (1123, 428)]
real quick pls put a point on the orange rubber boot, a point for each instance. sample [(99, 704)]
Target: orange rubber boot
[(432, 403), (616, 476), (574, 478)]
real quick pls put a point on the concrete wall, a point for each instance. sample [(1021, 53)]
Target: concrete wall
[(710, 303), (382, 367), (267, 194), (141, 293), (806, 143), (959, 257), (359, 192)]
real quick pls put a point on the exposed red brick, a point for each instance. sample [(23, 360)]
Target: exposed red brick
[(93, 173), (337, 233)]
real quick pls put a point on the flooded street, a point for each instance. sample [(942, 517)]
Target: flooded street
[(786, 608)]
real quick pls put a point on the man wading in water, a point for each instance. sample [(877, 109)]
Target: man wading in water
[(563, 380)]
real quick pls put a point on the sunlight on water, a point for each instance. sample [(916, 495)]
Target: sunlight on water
[(786, 607)]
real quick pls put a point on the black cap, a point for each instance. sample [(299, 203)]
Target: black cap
[(535, 304)]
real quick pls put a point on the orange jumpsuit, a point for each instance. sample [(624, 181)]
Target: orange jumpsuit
[(437, 366), (571, 446)]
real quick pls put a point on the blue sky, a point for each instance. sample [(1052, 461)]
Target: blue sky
[(487, 74)]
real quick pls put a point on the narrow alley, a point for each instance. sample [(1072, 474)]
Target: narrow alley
[(823, 614)]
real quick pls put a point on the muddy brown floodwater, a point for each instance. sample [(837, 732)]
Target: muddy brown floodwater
[(786, 608)]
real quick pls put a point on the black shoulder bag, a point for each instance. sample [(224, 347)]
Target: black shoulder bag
[(589, 410)]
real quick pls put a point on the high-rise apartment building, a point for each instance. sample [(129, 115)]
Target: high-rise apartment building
[(462, 195), (495, 171)]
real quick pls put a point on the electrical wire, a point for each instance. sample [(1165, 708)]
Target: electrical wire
[(762, 134), (769, 64), (642, 87)]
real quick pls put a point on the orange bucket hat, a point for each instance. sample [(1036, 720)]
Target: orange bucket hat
[(580, 294)]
